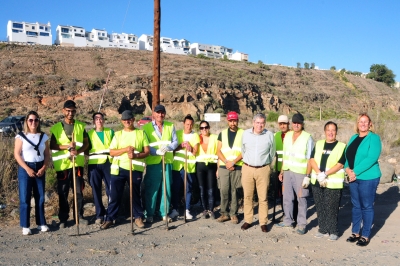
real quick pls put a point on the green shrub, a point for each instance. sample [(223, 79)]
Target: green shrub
[(272, 116)]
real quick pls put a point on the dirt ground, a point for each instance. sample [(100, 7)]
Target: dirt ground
[(204, 241)]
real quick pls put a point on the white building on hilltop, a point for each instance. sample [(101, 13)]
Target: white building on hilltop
[(146, 42), (31, 33), (70, 36), (238, 56), (124, 41), (97, 38), (168, 45), (212, 51)]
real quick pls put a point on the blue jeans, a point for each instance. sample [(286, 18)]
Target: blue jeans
[(26, 186), (97, 174), (177, 184), (362, 197)]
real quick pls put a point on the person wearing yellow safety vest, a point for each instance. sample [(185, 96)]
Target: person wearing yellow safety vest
[(163, 141), (229, 151), (69, 138), (295, 173), (99, 163), (327, 160), (128, 145), (188, 141), (206, 169)]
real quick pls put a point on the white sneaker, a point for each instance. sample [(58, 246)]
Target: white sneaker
[(26, 231), (173, 214), (188, 215), (165, 218), (43, 228)]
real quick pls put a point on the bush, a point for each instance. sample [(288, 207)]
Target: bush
[(202, 56), (272, 116)]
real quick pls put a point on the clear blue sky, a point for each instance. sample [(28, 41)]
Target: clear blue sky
[(350, 34)]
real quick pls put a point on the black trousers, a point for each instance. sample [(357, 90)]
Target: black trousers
[(206, 176), (64, 183), (327, 203)]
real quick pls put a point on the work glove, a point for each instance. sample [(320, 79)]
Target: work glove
[(306, 182), (323, 183), (321, 176), (160, 152)]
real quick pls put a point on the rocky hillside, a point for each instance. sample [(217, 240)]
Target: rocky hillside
[(43, 77)]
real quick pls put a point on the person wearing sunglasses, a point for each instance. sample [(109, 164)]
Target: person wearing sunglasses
[(99, 163), (32, 154), (206, 169), (69, 138)]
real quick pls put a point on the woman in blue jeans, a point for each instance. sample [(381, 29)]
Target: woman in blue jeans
[(32, 154), (362, 154)]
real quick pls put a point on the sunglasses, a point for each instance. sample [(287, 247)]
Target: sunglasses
[(207, 127), (33, 120)]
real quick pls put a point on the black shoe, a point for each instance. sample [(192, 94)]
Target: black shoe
[(245, 226), (362, 242), (353, 238)]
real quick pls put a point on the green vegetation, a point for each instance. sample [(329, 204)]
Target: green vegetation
[(201, 56), (272, 116), (381, 73), (333, 68), (306, 65)]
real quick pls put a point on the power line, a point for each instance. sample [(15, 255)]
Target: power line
[(126, 13)]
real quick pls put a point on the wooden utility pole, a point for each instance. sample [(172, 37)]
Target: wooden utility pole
[(156, 53)]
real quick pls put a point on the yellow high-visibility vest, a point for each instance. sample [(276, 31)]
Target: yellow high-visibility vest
[(279, 150), (294, 154), (61, 158), (122, 139), (179, 156), (156, 142), (334, 181), (211, 155), (231, 153), (99, 152)]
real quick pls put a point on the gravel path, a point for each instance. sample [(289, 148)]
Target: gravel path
[(205, 242)]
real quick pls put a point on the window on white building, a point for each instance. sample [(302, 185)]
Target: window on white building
[(44, 34), (15, 31), (33, 27), (64, 30), (41, 27), (31, 33), (18, 25)]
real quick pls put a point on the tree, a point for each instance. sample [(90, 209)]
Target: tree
[(260, 63), (312, 65), (298, 65), (333, 68), (306, 65), (381, 73)]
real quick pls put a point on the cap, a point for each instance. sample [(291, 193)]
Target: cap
[(298, 118), (69, 104), (283, 119), (126, 115), (232, 116), (159, 108)]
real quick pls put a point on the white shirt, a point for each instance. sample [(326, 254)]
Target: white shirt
[(28, 153)]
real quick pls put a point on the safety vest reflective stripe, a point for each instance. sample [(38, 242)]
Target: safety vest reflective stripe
[(107, 151), (280, 160), (341, 171), (207, 157), (294, 163), (98, 156), (183, 159), (63, 156), (134, 162), (228, 149), (296, 155), (159, 143), (279, 152), (183, 152)]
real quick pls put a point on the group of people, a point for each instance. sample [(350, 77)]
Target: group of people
[(234, 159)]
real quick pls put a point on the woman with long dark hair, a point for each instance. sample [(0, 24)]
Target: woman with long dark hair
[(206, 169)]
